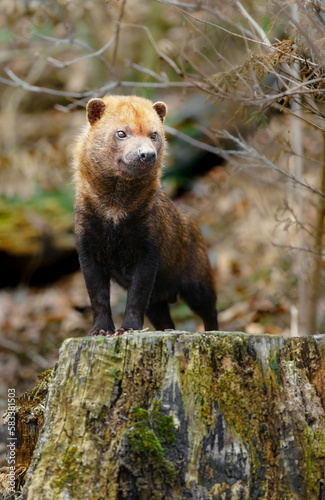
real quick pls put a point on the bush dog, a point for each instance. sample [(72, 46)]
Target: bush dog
[(127, 228)]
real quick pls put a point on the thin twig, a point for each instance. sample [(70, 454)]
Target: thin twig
[(297, 24), (299, 89), (190, 7), (161, 54), (296, 222), (246, 151), (300, 249), (218, 55), (64, 41), (255, 25), (303, 118), (156, 85), (42, 90), (146, 71), (316, 272), (195, 142), (117, 33), (209, 23), (19, 83), (97, 53)]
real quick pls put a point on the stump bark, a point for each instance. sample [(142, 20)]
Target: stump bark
[(172, 415), (29, 417)]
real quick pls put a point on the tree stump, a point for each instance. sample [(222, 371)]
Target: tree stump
[(29, 417), (173, 415)]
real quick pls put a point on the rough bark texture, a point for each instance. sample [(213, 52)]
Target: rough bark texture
[(29, 420), (183, 416)]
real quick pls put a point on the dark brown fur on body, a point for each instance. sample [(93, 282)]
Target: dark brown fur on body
[(127, 228)]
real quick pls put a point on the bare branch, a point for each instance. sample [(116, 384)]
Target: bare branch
[(246, 37), (300, 249), (19, 83), (302, 226), (304, 32), (156, 85), (195, 142), (175, 3), (117, 32), (63, 41), (190, 7), (302, 88), (146, 71), (248, 152), (303, 118), (97, 53), (163, 56), (252, 21)]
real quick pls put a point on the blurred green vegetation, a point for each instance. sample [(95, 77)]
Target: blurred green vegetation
[(46, 215)]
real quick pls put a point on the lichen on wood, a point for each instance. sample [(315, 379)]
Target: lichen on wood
[(172, 415)]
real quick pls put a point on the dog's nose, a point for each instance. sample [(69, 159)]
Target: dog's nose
[(147, 154)]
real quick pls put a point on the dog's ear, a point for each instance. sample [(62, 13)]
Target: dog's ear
[(95, 110), (161, 110)]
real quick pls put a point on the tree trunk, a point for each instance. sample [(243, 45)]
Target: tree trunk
[(315, 283), (183, 416)]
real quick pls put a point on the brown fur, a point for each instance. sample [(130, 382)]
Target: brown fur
[(125, 225)]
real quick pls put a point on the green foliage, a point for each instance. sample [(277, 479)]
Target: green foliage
[(247, 115), (27, 220), (51, 201), (149, 432), (258, 118)]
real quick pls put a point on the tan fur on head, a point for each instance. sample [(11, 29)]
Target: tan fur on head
[(101, 152), (103, 160), (96, 107)]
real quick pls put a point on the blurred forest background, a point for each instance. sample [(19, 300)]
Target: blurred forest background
[(244, 86)]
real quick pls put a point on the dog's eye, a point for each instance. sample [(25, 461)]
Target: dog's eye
[(121, 134), (154, 136)]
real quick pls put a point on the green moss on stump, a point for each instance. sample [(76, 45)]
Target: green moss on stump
[(72, 470), (145, 440)]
